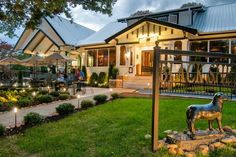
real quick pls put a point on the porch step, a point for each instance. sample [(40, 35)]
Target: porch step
[(137, 82)]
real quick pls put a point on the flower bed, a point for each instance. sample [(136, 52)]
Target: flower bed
[(28, 97)]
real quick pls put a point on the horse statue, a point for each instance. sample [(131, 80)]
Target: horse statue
[(210, 112)]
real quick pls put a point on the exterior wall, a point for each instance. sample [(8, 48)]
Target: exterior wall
[(136, 40)]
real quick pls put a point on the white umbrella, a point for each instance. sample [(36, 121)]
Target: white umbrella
[(57, 58), (9, 61), (34, 61)]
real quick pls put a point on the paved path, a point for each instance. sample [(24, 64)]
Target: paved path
[(7, 118)]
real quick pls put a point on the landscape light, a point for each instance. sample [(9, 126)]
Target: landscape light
[(48, 88), (64, 89), (34, 93), (15, 111), (111, 90), (78, 97)]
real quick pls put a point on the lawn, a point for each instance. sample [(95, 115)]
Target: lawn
[(114, 129)]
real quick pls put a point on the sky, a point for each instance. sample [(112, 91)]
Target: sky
[(123, 8)]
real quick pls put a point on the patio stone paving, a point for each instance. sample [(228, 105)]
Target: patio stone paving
[(7, 118)]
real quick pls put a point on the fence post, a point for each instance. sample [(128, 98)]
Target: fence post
[(155, 96)]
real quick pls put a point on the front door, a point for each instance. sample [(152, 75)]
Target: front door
[(147, 62)]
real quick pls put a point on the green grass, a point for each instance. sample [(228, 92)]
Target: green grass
[(113, 129)]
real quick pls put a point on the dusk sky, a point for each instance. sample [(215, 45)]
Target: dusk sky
[(123, 8)]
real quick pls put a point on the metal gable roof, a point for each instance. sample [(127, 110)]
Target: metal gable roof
[(104, 33), (218, 18), (70, 32)]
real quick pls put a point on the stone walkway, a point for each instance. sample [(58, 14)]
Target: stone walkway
[(8, 119)]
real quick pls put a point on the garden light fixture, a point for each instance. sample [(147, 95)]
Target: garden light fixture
[(34, 94), (78, 97), (15, 112)]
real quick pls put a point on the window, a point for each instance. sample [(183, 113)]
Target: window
[(122, 55), (198, 46), (131, 58), (163, 18), (173, 18), (92, 58), (233, 48), (221, 46), (178, 46), (112, 56), (103, 57)]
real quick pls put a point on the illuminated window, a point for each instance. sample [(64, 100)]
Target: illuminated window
[(103, 57), (122, 55), (92, 58), (221, 46), (178, 46), (198, 46), (112, 56)]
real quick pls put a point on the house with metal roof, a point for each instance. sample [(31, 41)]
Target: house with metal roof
[(52, 34), (128, 42)]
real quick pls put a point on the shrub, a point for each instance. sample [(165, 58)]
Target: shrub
[(111, 66), (33, 118), (65, 109), (55, 94), (115, 72), (102, 77), (100, 98), (2, 130), (45, 98), (115, 96), (63, 96), (85, 72), (24, 101), (43, 92), (65, 93), (93, 79), (86, 104)]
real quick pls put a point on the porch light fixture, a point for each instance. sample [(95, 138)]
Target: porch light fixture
[(15, 112)]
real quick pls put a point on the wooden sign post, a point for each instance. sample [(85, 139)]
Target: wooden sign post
[(155, 96)]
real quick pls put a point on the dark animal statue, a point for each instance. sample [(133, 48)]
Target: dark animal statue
[(210, 112)]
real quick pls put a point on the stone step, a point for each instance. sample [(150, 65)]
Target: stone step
[(137, 82)]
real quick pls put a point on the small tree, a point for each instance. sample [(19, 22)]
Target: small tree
[(141, 13)]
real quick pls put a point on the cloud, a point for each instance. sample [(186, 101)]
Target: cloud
[(124, 8)]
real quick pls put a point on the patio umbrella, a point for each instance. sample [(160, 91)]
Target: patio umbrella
[(9, 61), (34, 61), (57, 58)]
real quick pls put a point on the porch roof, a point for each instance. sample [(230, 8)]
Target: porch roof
[(148, 19)]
